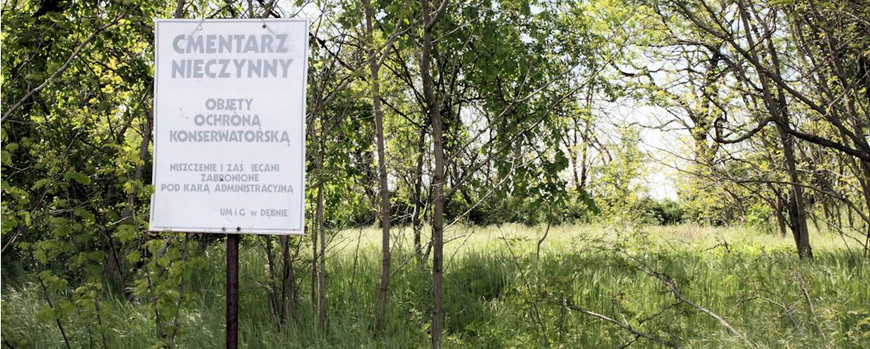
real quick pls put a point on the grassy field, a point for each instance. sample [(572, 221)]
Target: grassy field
[(587, 287)]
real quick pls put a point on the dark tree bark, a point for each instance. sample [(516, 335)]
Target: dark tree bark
[(433, 108), (384, 192), (417, 217)]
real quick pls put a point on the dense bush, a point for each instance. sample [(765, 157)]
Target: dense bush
[(662, 212)]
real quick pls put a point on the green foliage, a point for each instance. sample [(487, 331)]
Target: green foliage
[(662, 212), (520, 85), (761, 217), (617, 190)]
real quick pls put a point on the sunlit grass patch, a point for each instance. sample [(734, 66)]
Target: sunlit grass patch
[(502, 291)]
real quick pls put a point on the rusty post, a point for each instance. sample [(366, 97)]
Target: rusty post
[(232, 291)]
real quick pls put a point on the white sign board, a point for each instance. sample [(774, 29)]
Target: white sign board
[(229, 126)]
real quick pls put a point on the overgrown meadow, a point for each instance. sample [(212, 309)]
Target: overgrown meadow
[(586, 286), (727, 132)]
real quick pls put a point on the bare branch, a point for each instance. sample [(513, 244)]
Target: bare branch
[(60, 70), (622, 325), (679, 296)]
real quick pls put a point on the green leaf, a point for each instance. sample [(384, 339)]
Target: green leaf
[(125, 233), (60, 226), (79, 177), (40, 256), (84, 214), (45, 314), (6, 158), (134, 256), (40, 183)]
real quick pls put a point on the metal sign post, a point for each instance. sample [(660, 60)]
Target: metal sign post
[(232, 291)]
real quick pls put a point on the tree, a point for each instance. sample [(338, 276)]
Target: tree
[(748, 39), (376, 56), (430, 18)]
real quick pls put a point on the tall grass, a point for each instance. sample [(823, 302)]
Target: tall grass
[(498, 293)]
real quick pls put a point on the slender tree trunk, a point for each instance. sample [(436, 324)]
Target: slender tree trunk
[(417, 218), (572, 142), (775, 102), (701, 129), (797, 209), (315, 307), (865, 186), (289, 288), (798, 212), (814, 218), (271, 293), (850, 218), (314, 299), (374, 69), (826, 210), (780, 218), (60, 324), (438, 185), (321, 280), (584, 155), (839, 214)]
